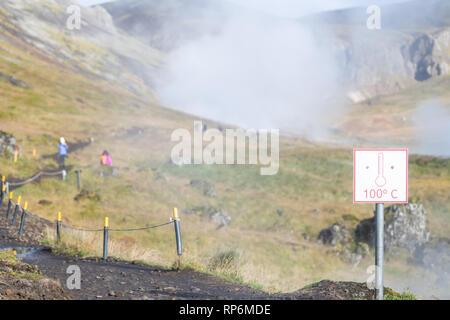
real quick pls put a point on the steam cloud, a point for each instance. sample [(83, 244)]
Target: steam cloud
[(256, 72), (432, 120)]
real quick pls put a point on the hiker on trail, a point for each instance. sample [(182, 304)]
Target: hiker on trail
[(63, 148), (105, 159)]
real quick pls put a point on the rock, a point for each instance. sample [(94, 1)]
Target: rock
[(340, 237), (208, 188), (7, 144), (120, 294), (44, 202), (334, 235), (219, 216), (405, 226), (86, 194), (14, 81), (111, 293), (222, 218), (280, 213)]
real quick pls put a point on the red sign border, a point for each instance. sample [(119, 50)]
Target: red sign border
[(354, 176)]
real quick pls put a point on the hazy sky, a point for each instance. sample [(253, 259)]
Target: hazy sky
[(289, 8)]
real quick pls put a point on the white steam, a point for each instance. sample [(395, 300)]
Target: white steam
[(256, 72), (433, 123)]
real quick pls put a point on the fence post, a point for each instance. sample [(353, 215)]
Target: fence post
[(2, 195), (105, 239), (22, 219), (8, 212), (3, 181), (78, 179), (16, 210), (176, 223), (58, 228)]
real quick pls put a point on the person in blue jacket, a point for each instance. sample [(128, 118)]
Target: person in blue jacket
[(63, 148)]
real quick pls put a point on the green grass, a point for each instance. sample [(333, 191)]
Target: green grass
[(392, 295)]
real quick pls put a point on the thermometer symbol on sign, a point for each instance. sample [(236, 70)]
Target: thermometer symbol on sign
[(380, 180)]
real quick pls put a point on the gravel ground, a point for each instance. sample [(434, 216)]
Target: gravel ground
[(115, 279)]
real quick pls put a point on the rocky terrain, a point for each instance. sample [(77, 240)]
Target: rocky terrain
[(406, 50), (405, 227), (94, 50), (21, 281)]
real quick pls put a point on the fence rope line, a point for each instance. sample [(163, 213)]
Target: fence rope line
[(21, 183), (33, 178), (37, 217), (144, 228), (80, 228)]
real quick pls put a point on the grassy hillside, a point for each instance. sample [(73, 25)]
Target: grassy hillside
[(277, 252), (313, 186), (394, 118)]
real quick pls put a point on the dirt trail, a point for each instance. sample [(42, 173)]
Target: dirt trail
[(115, 279)]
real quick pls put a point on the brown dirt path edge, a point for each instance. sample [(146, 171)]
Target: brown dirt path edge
[(115, 279)]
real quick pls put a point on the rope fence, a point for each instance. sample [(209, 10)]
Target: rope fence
[(14, 209), (8, 185)]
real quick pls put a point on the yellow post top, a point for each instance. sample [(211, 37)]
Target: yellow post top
[(10, 195), (106, 222), (19, 198), (59, 216), (175, 213), (25, 206), (3, 178)]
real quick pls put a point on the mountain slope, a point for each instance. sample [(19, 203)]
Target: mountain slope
[(274, 220), (96, 50), (413, 44)]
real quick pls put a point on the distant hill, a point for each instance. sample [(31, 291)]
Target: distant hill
[(169, 23), (412, 15), (413, 44)]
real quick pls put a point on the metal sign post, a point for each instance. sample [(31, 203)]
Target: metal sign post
[(380, 176), (379, 251)]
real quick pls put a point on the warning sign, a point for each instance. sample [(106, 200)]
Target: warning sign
[(380, 175)]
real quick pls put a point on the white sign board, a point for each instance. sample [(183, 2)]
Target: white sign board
[(380, 176)]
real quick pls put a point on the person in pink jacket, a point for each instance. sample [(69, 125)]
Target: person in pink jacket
[(105, 159)]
